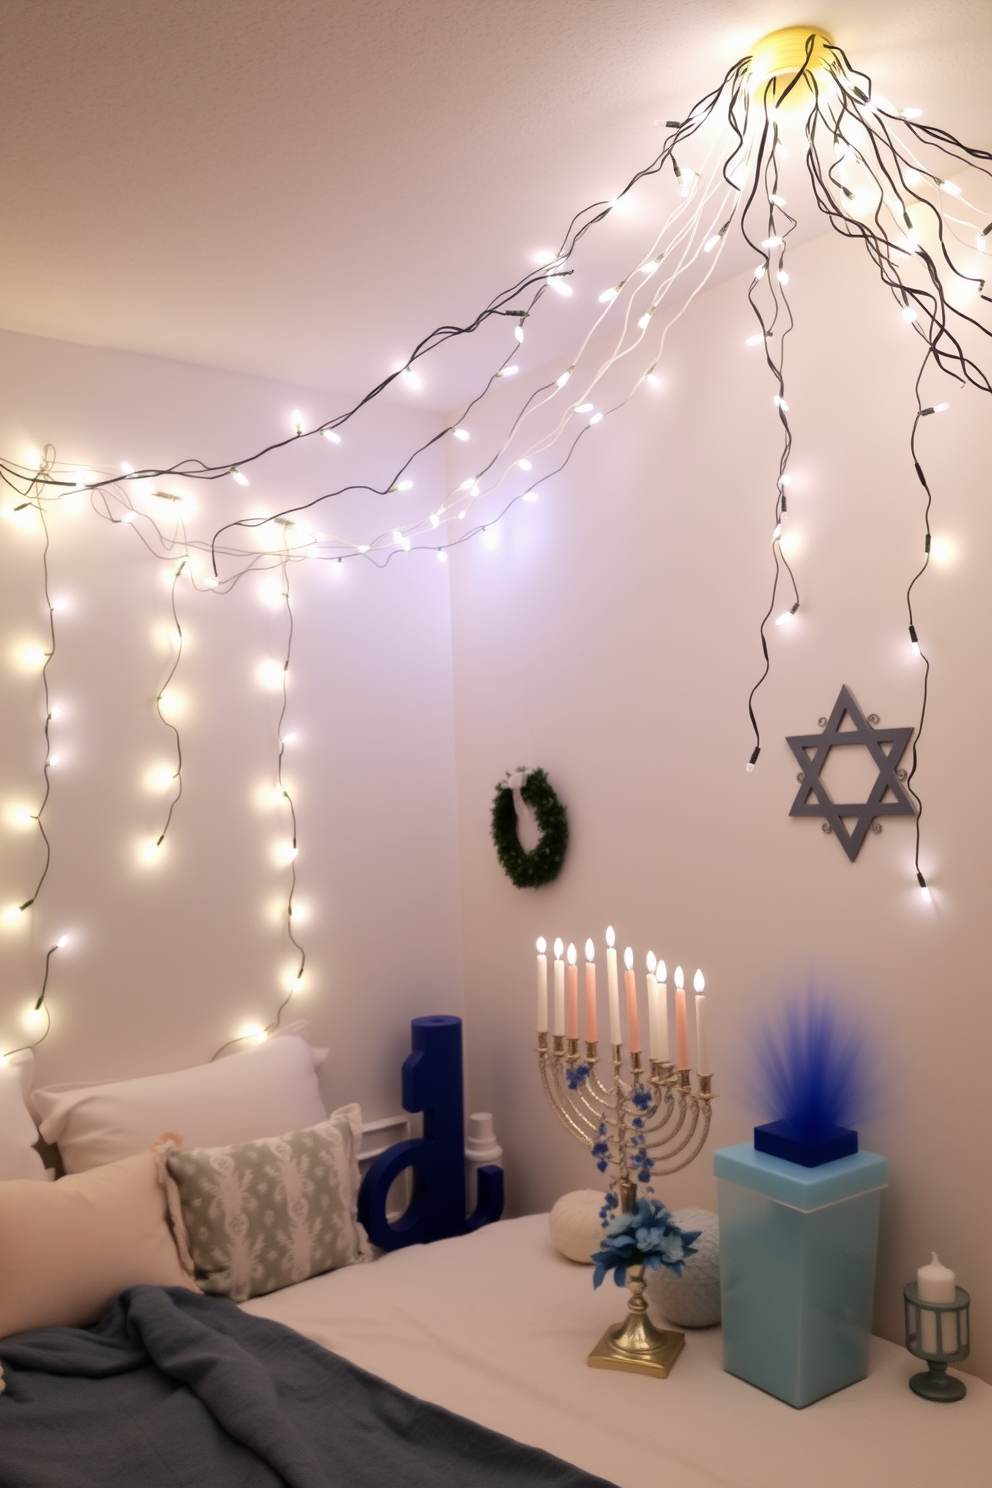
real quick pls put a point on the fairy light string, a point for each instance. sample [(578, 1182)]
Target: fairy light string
[(872, 175), (178, 638)]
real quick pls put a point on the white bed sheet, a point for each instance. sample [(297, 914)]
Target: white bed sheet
[(497, 1326)]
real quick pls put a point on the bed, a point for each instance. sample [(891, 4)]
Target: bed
[(496, 1326)]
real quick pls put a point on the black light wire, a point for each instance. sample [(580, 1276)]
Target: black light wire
[(32, 499)]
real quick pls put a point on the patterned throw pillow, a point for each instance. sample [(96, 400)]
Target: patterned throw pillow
[(258, 1216)]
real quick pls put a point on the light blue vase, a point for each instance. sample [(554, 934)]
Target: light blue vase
[(797, 1269)]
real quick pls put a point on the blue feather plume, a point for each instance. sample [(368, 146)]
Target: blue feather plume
[(816, 1067)]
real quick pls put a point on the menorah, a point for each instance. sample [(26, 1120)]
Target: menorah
[(646, 1124)]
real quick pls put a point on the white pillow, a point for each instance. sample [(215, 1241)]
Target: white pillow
[(18, 1133), (268, 1089)]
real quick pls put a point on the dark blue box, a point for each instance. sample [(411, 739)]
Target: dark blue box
[(779, 1139)]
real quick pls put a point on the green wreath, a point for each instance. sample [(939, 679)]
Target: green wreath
[(528, 870)]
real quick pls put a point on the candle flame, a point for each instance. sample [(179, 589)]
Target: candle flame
[(590, 951), (652, 962), (610, 937), (571, 954), (662, 972), (542, 945), (628, 959), (698, 981), (559, 947), (679, 979)]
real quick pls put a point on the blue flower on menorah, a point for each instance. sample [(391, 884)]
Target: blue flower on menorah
[(646, 1236), (642, 1097), (577, 1075)]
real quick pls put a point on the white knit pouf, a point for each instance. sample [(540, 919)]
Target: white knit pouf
[(691, 1300), (575, 1225)]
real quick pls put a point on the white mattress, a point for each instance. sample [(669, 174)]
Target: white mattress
[(497, 1326)]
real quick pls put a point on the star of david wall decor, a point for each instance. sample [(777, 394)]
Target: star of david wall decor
[(886, 797)]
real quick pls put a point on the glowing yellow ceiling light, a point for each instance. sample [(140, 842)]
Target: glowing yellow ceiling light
[(781, 55)]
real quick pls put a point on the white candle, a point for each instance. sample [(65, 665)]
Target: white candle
[(935, 1283), (652, 985), (542, 985), (559, 989), (702, 1047), (612, 986), (661, 976)]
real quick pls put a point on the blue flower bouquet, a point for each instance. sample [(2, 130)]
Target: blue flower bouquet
[(647, 1237)]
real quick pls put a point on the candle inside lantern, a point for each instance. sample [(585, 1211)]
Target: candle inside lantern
[(630, 984), (542, 985), (661, 977), (559, 989), (702, 1046), (612, 987), (590, 992), (935, 1283), (681, 1033), (572, 1023)]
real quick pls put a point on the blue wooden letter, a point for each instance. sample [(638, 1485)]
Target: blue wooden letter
[(432, 1083)]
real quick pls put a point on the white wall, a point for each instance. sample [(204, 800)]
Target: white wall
[(610, 635), (165, 963)]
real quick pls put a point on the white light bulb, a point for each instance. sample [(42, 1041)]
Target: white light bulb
[(608, 295), (461, 434), (56, 712), (519, 332), (778, 532), (560, 286), (780, 403), (241, 479), (62, 942), (331, 435), (909, 313), (129, 516), (524, 464), (759, 272), (595, 419), (941, 407), (127, 469), (411, 378), (253, 1031), (778, 200), (564, 377), (12, 914), (927, 896), (404, 485), (297, 421), (911, 113), (289, 738), (772, 242), (785, 480), (362, 548), (786, 618), (653, 379), (783, 277), (442, 556), (951, 187), (915, 645), (644, 321), (508, 372), (435, 519), (530, 496), (689, 179), (53, 759), (711, 243), (583, 408)]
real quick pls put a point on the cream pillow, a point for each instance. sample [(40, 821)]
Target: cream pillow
[(267, 1089), (258, 1216), (18, 1133), (67, 1248)]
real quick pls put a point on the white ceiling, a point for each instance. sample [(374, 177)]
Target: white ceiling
[(301, 189)]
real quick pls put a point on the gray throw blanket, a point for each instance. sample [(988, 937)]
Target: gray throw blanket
[(171, 1389)]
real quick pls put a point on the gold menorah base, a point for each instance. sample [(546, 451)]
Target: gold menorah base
[(636, 1345), (658, 1360)]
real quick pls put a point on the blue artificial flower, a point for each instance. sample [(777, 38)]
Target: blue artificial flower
[(645, 1237), (642, 1097), (575, 1077), (638, 1122)]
